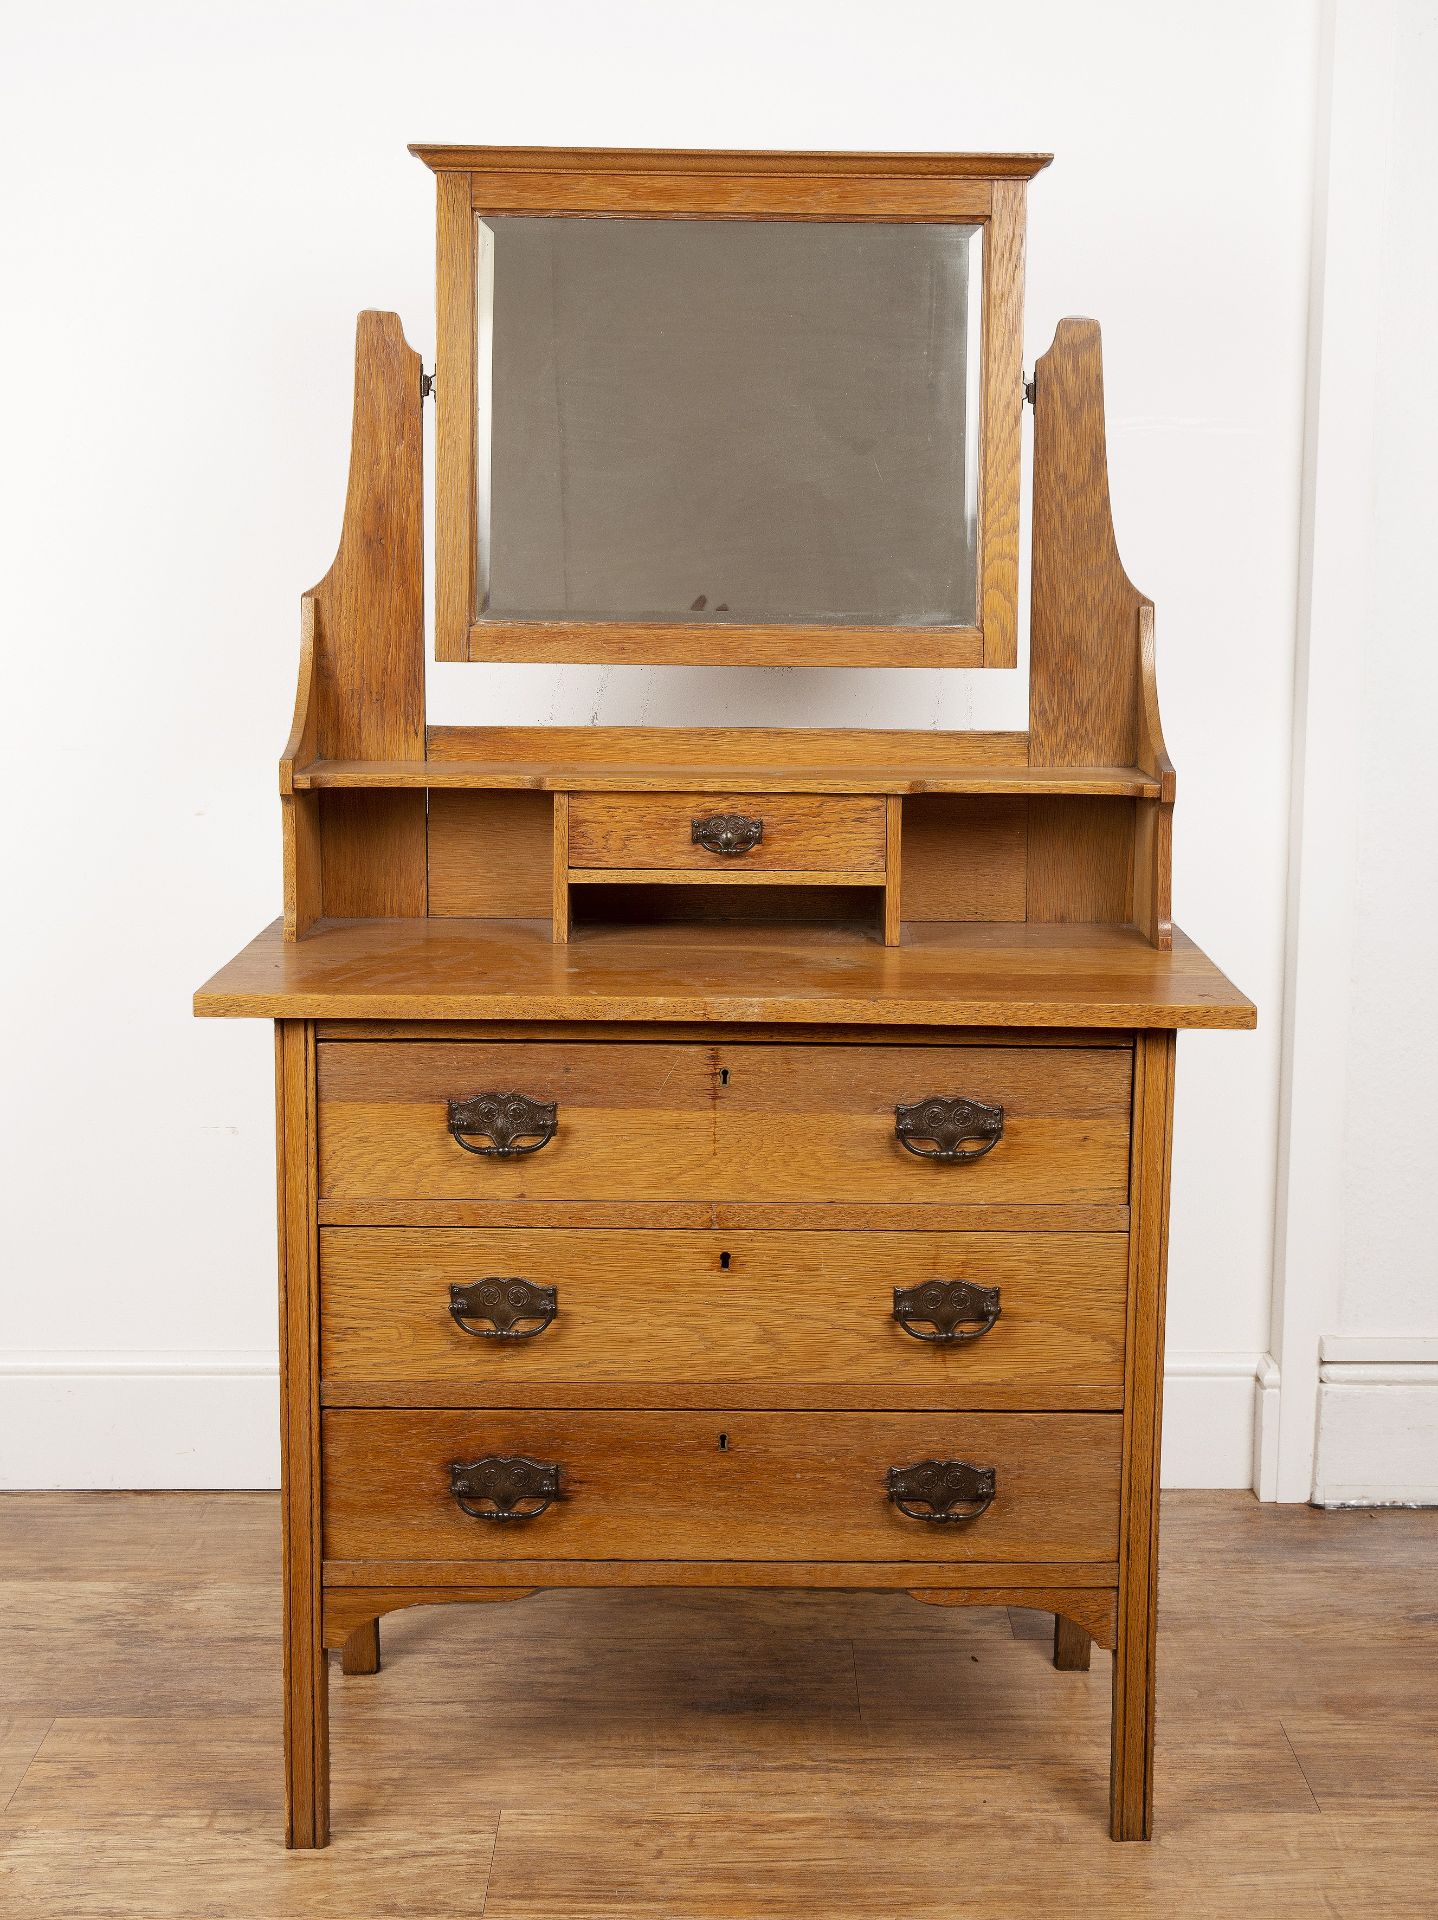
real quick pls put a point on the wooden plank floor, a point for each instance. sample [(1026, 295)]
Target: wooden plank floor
[(660, 1756)]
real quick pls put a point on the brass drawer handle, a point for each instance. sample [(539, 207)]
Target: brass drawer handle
[(504, 1119), (509, 1483), (954, 1309), (934, 1489), (948, 1122), (726, 832), (506, 1302)]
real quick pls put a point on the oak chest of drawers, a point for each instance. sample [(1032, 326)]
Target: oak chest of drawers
[(715, 1156)]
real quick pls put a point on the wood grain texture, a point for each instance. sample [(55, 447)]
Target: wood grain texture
[(1080, 862), (730, 196), (640, 775), (306, 1679), (1003, 406), (660, 1486), (701, 1215), (1131, 1768), (359, 1653), (944, 976), (1084, 672), (1087, 1613), (655, 1318), (489, 855), (893, 870), (966, 859), (361, 682), (702, 160), (727, 753), (1073, 1644), (691, 643), (740, 1123), (801, 832), (455, 599), (561, 908)]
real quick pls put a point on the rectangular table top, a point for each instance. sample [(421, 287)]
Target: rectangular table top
[(947, 974)]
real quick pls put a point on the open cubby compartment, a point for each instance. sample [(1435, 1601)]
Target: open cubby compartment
[(1068, 822)]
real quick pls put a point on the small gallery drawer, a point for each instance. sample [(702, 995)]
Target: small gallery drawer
[(669, 832), (752, 1123), (591, 1317), (719, 1486)]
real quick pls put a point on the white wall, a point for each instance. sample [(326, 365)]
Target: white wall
[(1377, 1428), (199, 200)]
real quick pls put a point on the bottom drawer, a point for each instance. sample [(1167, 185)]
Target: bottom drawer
[(720, 1486)]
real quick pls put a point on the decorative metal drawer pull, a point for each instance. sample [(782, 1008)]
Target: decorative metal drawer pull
[(949, 1121), (504, 1119), (726, 832), (942, 1490), (509, 1484), (954, 1309), (506, 1303)]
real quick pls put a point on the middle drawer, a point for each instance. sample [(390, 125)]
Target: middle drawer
[(607, 1317)]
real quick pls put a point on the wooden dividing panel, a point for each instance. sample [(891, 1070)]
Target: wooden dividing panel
[(965, 857), (705, 1486), (647, 1318), (489, 854)]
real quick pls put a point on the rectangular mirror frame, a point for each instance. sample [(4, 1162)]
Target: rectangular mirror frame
[(987, 189)]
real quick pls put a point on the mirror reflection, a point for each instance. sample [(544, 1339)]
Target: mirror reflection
[(763, 422)]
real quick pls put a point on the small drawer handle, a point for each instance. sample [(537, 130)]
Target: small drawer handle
[(726, 832), (509, 1484), (504, 1119), (506, 1303), (948, 1121), (942, 1490), (953, 1309)]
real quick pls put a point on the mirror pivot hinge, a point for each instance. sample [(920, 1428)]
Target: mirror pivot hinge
[(426, 384), (1029, 391)]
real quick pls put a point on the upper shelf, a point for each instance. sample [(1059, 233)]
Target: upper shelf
[(617, 777)]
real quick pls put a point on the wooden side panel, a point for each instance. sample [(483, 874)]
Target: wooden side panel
[(361, 694), (306, 1678), (489, 855), (965, 857), (1080, 860), (710, 1486), (1131, 1767), (1083, 673)]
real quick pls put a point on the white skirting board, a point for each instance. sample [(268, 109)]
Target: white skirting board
[(147, 1421), (212, 1420), (1377, 1422)]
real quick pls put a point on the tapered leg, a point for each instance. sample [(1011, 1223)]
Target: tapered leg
[(360, 1653), (1071, 1646), (1131, 1751), (307, 1767)]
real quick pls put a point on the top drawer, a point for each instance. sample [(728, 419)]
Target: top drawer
[(700, 832), (660, 1122)]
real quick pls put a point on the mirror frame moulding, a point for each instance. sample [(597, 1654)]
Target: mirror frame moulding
[(987, 190)]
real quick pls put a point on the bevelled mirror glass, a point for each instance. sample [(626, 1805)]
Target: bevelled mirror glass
[(757, 422)]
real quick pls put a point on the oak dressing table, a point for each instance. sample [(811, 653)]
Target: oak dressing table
[(709, 1156)]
